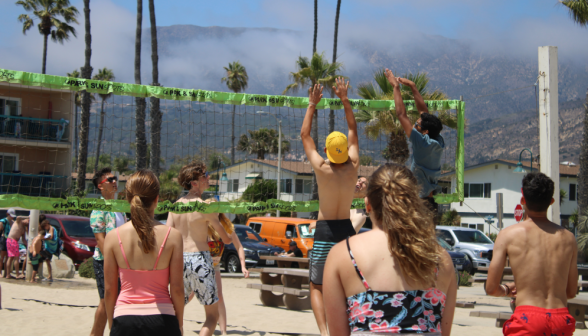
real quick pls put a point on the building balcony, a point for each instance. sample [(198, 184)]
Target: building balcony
[(41, 184), (34, 132)]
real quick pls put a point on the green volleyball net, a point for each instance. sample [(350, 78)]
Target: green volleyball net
[(235, 134)]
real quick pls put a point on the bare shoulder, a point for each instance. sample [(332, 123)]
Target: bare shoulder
[(338, 251), (445, 263)]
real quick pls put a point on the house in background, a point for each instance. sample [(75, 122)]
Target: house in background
[(36, 125), (483, 181), (296, 179)]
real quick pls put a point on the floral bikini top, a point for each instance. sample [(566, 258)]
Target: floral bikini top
[(415, 311)]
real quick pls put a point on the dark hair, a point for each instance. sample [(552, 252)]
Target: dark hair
[(538, 190), (99, 174), (141, 190), (408, 224), (430, 122), (191, 172), (42, 218)]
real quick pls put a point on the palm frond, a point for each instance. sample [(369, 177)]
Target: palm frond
[(27, 22), (578, 10)]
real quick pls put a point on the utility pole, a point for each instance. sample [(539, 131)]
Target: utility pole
[(549, 124)]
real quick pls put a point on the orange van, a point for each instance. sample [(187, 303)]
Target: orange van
[(279, 231)]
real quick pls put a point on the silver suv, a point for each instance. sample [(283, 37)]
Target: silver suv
[(471, 242)]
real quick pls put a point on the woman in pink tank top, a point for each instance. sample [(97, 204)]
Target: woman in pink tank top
[(148, 257)]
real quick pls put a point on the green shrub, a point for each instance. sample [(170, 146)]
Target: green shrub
[(464, 279), (86, 269), (492, 236)]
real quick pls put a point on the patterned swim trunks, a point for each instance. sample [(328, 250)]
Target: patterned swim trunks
[(199, 278), (12, 247)]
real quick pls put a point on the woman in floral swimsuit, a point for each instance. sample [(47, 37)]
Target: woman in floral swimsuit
[(395, 278)]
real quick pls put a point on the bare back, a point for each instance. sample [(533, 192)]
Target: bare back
[(336, 184), (36, 245), (17, 230), (193, 227), (543, 258)]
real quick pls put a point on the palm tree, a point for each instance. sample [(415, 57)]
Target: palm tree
[(121, 164), (381, 122), (262, 141), (156, 117), (77, 103), (140, 103), (48, 13), (582, 232), (85, 119), (331, 112), (103, 75), (237, 80), (579, 13), (315, 26), (310, 72)]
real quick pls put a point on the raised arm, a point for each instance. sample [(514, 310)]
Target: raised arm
[(313, 156), (341, 89), (493, 287), (418, 99), (400, 108)]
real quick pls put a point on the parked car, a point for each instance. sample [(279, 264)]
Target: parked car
[(19, 212), (460, 262), (279, 231), (476, 246), (253, 245), (78, 239)]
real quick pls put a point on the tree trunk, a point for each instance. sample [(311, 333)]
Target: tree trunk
[(140, 103), (233, 137), (85, 119), (76, 133), (100, 130), (583, 174), (45, 55), (154, 109), (315, 26), (331, 112)]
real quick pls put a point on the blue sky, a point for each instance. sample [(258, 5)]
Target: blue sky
[(511, 27)]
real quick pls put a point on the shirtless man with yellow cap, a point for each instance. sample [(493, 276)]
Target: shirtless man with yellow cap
[(336, 184)]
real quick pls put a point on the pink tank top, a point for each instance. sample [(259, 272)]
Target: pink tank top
[(143, 292)]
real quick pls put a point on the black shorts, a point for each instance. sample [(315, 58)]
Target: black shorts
[(3, 247), (327, 234), (146, 325), (99, 272), (46, 255)]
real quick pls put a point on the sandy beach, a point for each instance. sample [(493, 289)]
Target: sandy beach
[(66, 307)]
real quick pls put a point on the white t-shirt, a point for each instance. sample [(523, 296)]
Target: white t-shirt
[(120, 218)]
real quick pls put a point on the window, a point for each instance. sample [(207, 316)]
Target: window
[(465, 225), (256, 227), (8, 162), (477, 190), (292, 230), (307, 186), (480, 227), (572, 194), (299, 188), (233, 185), (10, 106), (286, 186), (446, 236)]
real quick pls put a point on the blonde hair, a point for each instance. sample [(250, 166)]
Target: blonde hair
[(141, 190), (227, 225), (393, 195)]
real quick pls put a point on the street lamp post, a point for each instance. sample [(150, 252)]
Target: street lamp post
[(223, 178), (519, 168), (279, 154)]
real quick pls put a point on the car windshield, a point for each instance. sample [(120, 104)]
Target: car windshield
[(444, 244), (304, 231), (247, 234), (78, 228), (472, 237)]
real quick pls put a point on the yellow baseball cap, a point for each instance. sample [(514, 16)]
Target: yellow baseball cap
[(337, 147)]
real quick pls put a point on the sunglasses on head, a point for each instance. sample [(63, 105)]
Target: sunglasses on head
[(110, 179), (206, 175), (416, 124)]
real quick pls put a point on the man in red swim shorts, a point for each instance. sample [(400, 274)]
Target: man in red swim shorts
[(542, 256)]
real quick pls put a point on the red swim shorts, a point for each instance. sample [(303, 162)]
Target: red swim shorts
[(530, 320), (12, 247)]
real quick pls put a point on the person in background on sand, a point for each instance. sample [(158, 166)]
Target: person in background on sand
[(5, 224), (17, 231), (103, 222), (49, 244), (35, 253), (543, 258), (425, 139), (147, 257), (394, 278), (335, 188), (199, 275), (216, 250)]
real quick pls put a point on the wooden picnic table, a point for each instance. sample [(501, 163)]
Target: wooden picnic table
[(284, 286), (286, 262)]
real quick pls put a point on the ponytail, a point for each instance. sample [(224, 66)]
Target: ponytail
[(408, 224), (141, 191)]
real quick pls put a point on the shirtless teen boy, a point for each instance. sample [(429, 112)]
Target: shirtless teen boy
[(336, 181), (199, 272), (542, 256)]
